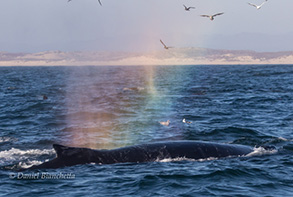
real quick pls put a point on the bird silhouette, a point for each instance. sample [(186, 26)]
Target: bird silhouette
[(258, 6), (188, 8), (212, 16), (165, 45)]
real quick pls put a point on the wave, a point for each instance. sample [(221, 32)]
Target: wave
[(233, 135), (259, 151), (135, 89), (24, 165), (13, 155), (234, 131), (6, 139)]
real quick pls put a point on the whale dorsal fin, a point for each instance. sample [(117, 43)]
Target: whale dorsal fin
[(65, 151), (60, 149)]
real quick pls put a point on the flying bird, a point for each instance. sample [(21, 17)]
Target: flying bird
[(258, 6), (165, 45), (212, 16), (188, 8)]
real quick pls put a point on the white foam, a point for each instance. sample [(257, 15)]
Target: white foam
[(261, 151), (174, 159), (28, 164), (256, 152), (209, 159), (185, 159), (5, 139), (15, 154), (283, 139), (134, 89)]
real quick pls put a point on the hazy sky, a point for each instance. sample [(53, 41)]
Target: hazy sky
[(138, 25)]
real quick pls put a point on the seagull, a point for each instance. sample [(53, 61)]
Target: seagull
[(187, 122), (165, 123), (165, 45), (212, 16), (188, 8), (258, 6)]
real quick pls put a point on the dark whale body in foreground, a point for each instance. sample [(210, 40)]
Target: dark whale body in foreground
[(69, 156)]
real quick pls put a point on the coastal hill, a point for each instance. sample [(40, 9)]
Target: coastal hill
[(173, 56)]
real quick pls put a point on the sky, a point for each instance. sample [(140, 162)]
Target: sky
[(138, 25)]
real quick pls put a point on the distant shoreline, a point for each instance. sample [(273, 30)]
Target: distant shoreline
[(178, 56), (2, 66)]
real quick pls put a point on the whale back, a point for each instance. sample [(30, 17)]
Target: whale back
[(170, 150), (69, 156), (65, 151), (198, 150)]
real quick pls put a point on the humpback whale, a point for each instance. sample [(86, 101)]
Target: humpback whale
[(69, 156)]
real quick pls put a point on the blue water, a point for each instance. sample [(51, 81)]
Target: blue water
[(110, 107)]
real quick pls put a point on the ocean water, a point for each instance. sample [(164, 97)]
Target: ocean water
[(110, 107)]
